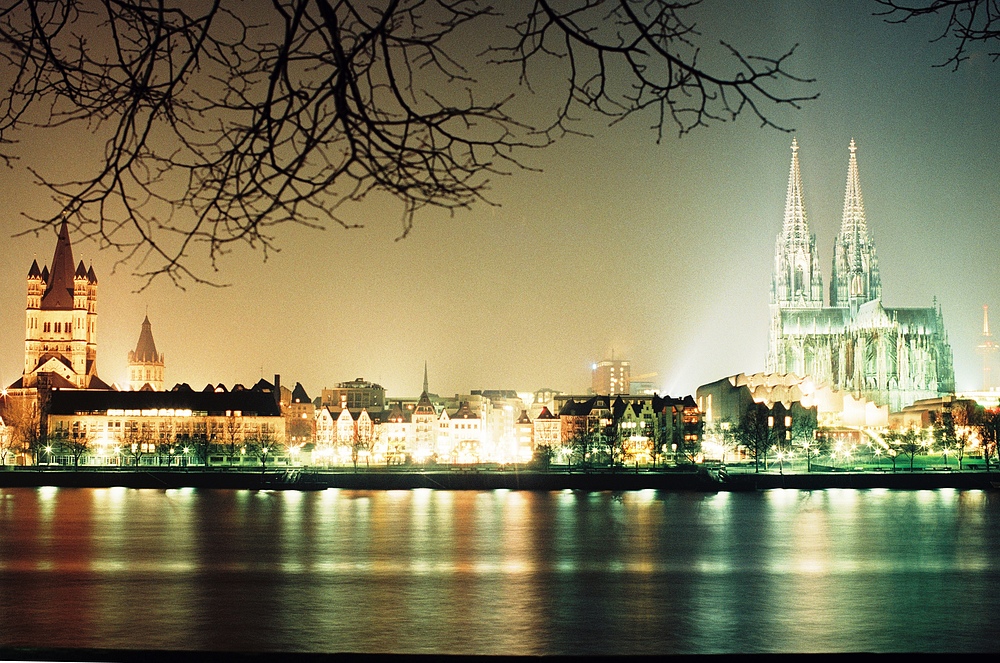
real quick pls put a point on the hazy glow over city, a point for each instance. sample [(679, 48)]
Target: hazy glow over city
[(657, 253)]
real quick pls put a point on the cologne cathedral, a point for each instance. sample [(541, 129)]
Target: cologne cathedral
[(889, 356)]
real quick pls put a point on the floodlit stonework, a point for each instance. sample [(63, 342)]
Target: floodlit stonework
[(60, 336), (145, 364), (889, 356)]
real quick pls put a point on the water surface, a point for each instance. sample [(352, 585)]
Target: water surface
[(500, 572)]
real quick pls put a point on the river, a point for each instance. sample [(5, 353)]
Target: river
[(500, 572)]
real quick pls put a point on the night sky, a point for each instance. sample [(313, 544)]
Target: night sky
[(658, 253)]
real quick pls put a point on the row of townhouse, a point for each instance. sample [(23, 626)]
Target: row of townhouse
[(219, 425), (484, 427), (643, 428)]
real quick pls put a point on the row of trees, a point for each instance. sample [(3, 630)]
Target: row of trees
[(23, 436), (772, 435), (612, 444), (131, 446)]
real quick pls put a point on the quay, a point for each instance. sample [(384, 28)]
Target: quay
[(470, 478)]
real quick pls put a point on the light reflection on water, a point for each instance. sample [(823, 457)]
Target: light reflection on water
[(500, 572)]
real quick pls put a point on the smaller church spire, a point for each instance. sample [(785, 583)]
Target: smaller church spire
[(145, 364), (426, 389)]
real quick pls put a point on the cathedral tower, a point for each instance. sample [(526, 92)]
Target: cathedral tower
[(145, 365), (889, 356), (60, 337), (855, 278), (797, 281)]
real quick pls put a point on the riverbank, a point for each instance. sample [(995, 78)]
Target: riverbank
[(700, 479)]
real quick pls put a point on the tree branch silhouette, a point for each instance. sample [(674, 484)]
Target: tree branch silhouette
[(223, 120), (966, 22)]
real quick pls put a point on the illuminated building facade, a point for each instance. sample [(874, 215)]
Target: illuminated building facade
[(889, 356), (610, 376), (60, 336), (113, 425), (357, 394), (547, 430), (662, 419), (300, 415)]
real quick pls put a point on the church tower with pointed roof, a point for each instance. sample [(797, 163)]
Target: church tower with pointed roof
[(424, 419), (855, 277), (60, 339), (797, 280), (145, 364)]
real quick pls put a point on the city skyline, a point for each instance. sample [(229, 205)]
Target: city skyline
[(664, 259)]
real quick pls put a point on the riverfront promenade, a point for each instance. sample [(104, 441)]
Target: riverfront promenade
[(473, 478)]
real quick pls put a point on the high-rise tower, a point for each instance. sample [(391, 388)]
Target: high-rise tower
[(797, 281), (855, 279), (145, 364), (988, 348)]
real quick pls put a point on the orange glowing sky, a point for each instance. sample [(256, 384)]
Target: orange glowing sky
[(660, 253)]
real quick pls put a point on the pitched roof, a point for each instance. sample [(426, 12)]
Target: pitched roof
[(145, 349), (263, 385), (398, 414), (59, 291), (299, 394), (545, 414), (424, 405), (464, 412), (249, 402)]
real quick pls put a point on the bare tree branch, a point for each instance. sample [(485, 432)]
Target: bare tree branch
[(967, 23), (222, 120)]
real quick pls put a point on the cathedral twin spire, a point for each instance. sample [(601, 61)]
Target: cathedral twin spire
[(855, 267), (797, 278), (797, 281)]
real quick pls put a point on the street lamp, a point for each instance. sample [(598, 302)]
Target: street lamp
[(770, 436), (725, 439)]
